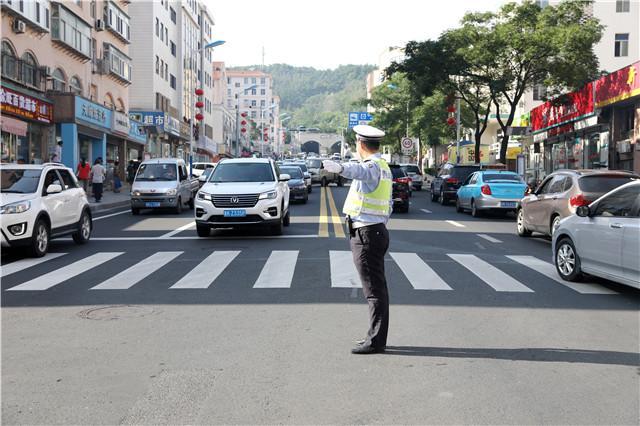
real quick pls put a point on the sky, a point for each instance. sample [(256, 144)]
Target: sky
[(327, 33)]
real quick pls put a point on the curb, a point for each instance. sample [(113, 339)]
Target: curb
[(100, 207)]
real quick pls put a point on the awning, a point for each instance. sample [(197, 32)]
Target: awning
[(13, 126)]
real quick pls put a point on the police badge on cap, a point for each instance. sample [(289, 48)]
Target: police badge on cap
[(368, 133)]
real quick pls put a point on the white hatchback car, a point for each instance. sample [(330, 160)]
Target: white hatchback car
[(602, 239), (243, 192), (41, 202)]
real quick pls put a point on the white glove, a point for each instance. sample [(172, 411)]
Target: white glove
[(332, 166)]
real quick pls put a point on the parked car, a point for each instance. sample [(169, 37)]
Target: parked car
[(204, 177), (400, 192), (163, 183), (496, 190), (243, 192), (415, 174), (41, 202), (445, 186), (320, 175), (199, 167), (305, 172), (297, 188), (602, 239), (561, 193)]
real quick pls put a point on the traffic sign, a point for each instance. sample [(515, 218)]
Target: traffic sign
[(356, 118), (407, 145)]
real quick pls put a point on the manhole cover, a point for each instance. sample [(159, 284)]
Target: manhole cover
[(116, 312)]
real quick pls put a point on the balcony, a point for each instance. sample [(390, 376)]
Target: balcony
[(70, 32), (117, 22), (23, 72), (115, 64), (33, 14)]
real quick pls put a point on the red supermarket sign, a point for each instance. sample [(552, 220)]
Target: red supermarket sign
[(618, 86), (564, 109), (25, 106)]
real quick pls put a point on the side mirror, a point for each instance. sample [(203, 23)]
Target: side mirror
[(202, 178), (284, 177), (54, 188), (583, 211)]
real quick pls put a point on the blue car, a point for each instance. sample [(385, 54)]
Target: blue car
[(497, 190)]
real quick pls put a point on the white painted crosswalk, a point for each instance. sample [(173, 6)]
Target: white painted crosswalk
[(280, 267)]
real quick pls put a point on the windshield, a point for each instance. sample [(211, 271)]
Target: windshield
[(602, 183), (303, 167), (397, 172), (17, 181), (294, 172), (242, 172), (501, 177), (157, 172), (314, 164), (411, 169)]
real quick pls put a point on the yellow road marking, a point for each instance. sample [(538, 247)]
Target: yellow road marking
[(335, 216), (323, 228)]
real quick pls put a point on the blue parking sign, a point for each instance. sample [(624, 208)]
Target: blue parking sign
[(356, 118)]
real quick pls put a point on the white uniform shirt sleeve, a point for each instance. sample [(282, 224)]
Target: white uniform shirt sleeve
[(368, 173)]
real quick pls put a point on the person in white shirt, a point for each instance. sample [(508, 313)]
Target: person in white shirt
[(97, 178)]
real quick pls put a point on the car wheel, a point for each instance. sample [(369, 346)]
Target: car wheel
[(324, 182), (277, 228), (555, 222), (82, 235), (286, 221), (567, 261), (521, 229), (459, 208), (203, 230), (419, 188), (443, 200), (340, 183), (310, 189), (178, 208), (474, 209), (192, 203), (135, 211), (40, 239)]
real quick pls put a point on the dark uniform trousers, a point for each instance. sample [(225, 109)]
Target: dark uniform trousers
[(369, 244)]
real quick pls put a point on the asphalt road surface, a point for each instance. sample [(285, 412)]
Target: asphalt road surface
[(149, 324)]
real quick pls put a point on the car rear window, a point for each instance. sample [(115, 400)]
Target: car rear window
[(293, 172), (315, 164), (602, 183), (397, 172), (242, 172), (462, 172), (497, 177), (411, 169)]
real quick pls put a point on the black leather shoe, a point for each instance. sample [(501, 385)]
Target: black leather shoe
[(363, 350), (360, 342)]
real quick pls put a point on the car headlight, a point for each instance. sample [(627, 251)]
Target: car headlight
[(135, 193), (204, 196), (300, 187), (271, 195), (171, 192), (19, 207)]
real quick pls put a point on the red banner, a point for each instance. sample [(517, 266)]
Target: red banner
[(618, 86), (564, 109), (25, 106)]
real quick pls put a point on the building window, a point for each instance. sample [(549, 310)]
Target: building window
[(539, 92), (161, 32), (622, 6), (172, 81), (263, 103), (92, 9), (254, 103), (173, 15), (263, 80), (157, 65), (166, 72), (263, 92), (157, 27), (119, 63), (621, 45), (246, 80), (173, 49), (38, 12), (253, 80), (237, 84), (75, 86), (117, 21), (71, 30), (58, 82), (29, 70), (166, 36), (253, 91), (9, 63)]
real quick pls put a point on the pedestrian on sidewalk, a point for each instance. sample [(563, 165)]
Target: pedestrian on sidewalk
[(368, 207), (97, 178), (82, 172), (117, 182)]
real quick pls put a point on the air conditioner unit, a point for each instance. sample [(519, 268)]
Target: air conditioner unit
[(46, 70), (100, 25), (19, 26)]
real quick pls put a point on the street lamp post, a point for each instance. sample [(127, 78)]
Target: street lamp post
[(253, 86)]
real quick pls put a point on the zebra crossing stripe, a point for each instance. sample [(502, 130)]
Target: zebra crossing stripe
[(203, 275), (549, 271), (23, 264), (278, 270), (343, 271), (419, 274), (46, 281), (491, 275), (136, 273)]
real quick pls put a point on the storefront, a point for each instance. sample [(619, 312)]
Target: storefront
[(27, 132), (165, 137)]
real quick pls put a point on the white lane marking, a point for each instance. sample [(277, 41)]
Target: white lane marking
[(110, 215), (178, 230), (549, 270), (426, 211), (454, 223), (489, 238), (203, 275), (419, 274), (136, 273), (491, 275), (254, 237), (46, 281), (20, 265), (343, 271), (279, 269)]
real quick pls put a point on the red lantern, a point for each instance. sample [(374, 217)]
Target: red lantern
[(451, 108), (266, 138), (451, 121), (243, 122), (244, 114), (243, 130), (199, 117), (199, 104), (265, 131), (199, 92)]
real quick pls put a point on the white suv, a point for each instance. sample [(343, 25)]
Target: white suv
[(40, 202), (242, 192)]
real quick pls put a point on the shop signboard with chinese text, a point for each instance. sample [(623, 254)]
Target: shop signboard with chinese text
[(565, 109), (618, 86), (120, 123), (137, 132), (93, 113), (148, 118), (25, 106)]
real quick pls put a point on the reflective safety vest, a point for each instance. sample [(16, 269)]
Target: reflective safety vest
[(375, 203)]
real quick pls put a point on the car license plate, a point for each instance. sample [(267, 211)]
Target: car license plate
[(153, 204), (508, 204), (235, 213)]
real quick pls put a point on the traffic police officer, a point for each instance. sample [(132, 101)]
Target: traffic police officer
[(368, 206)]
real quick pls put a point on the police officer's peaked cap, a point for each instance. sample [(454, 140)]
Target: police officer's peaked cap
[(368, 133)]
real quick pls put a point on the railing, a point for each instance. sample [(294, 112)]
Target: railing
[(22, 72)]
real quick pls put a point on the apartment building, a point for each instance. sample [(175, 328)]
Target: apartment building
[(66, 73), (376, 77), (223, 115)]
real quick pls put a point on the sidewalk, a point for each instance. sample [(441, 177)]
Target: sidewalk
[(111, 200)]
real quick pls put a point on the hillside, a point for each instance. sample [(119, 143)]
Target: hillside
[(318, 98)]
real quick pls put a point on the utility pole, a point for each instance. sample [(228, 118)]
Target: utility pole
[(457, 130)]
